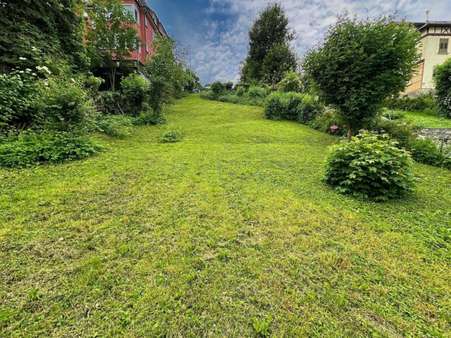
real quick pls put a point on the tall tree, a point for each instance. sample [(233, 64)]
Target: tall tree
[(112, 36), (269, 53), (360, 64)]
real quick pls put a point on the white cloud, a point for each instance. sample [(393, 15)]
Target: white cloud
[(224, 43)]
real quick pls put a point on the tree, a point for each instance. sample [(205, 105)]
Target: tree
[(111, 37), (269, 53), (442, 78), (362, 63), (164, 72)]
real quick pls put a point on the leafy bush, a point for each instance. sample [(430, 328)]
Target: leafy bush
[(135, 90), (442, 78), (217, 88), (422, 103), (171, 136), (292, 106), (240, 90), (27, 149), (92, 84), (118, 126), (403, 132), (149, 117), (18, 92), (291, 83), (230, 98), (427, 152), (370, 166), (109, 102), (329, 121), (65, 105), (257, 92)]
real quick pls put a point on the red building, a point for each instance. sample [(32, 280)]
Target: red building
[(148, 26)]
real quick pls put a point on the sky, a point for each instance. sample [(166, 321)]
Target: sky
[(213, 34)]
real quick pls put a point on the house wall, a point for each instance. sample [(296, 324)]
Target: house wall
[(428, 47), (432, 58), (147, 33)]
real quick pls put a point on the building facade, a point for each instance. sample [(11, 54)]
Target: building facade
[(434, 48), (148, 27)]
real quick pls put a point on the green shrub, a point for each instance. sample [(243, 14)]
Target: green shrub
[(230, 98), (92, 84), (135, 90), (291, 83), (401, 131), (427, 152), (109, 102), (149, 117), (442, 78), (65, 105), (329, 121), (423, 103), (240, 90), (18, 92), (27, 149), (275, 106), (370, 166), (118, 126), (292, 106), (257, 92), (171, 136), (217, 88)]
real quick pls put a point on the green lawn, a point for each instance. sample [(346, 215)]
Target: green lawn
[(228, 233), (426, 120)]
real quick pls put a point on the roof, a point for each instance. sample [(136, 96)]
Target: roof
[(422, 25), (158, 24)]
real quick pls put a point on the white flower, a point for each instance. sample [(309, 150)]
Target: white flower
[(21, 58)]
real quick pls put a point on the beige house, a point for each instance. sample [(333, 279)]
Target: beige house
[(434, 47)]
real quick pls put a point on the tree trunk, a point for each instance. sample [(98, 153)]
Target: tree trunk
[(349, 133), (113, 78)]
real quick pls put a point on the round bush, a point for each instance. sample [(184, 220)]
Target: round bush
[(370, 166), (135, 89), (442, 77), (291, 83)]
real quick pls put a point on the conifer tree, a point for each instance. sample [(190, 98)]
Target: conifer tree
[(269, 53)]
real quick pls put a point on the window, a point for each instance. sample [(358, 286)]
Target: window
[(146, 22), (132, 11), (443, 49)]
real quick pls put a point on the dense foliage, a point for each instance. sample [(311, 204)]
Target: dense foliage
[(370, 166), (35, 31), (442, 77), (292, 106), (291, 82), (18, 93), (421, 103), (427, 152), (28, 148), (269, 53), (63, 105), (361, 64), (135, 89)]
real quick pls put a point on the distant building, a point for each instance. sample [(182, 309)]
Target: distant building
[(148, 26), (434, 48)]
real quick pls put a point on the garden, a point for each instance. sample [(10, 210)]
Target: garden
[(297, 202)]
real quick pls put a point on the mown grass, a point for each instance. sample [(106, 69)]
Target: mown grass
[(229, 232), (427, 120)]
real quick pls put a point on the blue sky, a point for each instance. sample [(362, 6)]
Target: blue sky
[(213, 34)]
